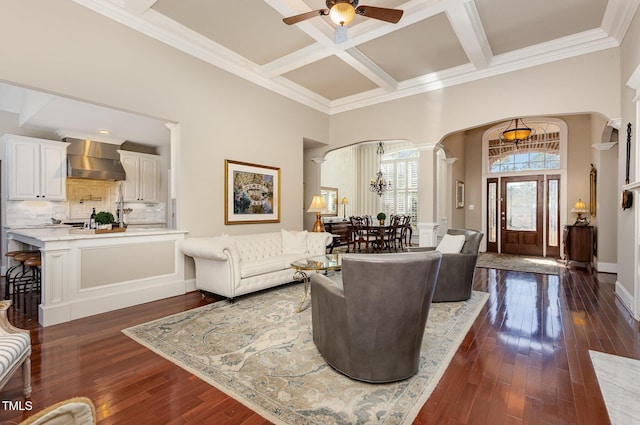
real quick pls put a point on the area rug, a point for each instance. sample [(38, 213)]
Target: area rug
[(618, 378), (518, 263), (260, 352)]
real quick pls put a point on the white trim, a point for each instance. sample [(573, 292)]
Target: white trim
[(626, 299), (604, 146), (428, 234), (634, 299), (139, 16), (605, 267)]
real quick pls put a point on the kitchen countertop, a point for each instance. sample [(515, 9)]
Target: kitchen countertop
[(50, 234)]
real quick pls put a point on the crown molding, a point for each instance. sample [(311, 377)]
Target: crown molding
[(138, 15)]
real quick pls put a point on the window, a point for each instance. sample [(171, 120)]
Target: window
[(541, 152), (402, 169)]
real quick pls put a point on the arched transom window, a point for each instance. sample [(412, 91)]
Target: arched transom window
[(541, 152)]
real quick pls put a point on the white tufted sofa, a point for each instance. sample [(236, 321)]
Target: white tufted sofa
[(236, 265)]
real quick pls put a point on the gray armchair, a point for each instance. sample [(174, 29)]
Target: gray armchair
[(369, 326), (455, 280)]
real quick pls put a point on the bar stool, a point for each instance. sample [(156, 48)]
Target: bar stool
[(34, 284), (18, 267), (25, 278)]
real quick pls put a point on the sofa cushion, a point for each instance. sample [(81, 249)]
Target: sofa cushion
[(294, 242), (451, 244), (262, 266)]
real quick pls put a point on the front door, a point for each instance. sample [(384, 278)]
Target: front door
[(521, 215)]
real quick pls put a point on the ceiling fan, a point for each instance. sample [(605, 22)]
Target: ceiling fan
[(342, 13)]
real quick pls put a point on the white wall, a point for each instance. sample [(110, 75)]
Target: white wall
[(629, 61), (80, 54), (584, 84)]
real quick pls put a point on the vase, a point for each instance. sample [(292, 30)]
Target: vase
[(381, 222)]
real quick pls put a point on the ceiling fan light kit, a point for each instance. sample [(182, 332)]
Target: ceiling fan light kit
[(342, 13)]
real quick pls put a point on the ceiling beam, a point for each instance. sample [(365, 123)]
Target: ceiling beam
[(467, 26)]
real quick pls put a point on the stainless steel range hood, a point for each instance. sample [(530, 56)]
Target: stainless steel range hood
[(89, 159)]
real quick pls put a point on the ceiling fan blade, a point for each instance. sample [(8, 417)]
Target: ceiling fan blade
[(304, 16), (381, 13)]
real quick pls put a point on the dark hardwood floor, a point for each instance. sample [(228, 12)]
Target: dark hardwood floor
[(524, 361)]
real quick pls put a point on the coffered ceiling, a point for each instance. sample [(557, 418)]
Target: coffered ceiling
[(437, 43)]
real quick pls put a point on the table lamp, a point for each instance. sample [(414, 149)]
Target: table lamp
[(317, 206), (344, 203), (580, 208)]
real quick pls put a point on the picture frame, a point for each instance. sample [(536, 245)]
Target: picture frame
[(459, 194), (330, 196), (251, 194)]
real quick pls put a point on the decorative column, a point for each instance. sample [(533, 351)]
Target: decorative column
[(449, 191), (427, 195)]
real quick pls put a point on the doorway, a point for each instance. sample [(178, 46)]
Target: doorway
[(521, 211), (523, 215)]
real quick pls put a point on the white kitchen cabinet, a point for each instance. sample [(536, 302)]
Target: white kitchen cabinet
[(36, 168), (143, 176)]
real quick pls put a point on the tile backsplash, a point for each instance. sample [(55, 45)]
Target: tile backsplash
[(82, 196)]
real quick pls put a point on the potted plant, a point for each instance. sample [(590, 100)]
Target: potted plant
[(381, 217), (104, 220)]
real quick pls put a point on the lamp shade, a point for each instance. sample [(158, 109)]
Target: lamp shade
[(579, 207), (344, 201), (317, 204), (342, 13)]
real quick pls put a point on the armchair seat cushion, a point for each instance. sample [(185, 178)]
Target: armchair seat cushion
[(15, 351), (12, 348)]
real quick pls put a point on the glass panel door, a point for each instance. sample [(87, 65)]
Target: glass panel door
[(521, 215)]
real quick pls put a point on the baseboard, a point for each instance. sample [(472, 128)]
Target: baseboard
[(190, 285), (89, 306), (626, 299), (603, 267)]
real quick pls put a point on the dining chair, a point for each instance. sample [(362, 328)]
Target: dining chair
[(360, 233)]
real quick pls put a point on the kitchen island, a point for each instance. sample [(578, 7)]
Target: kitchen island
[(86, 274)]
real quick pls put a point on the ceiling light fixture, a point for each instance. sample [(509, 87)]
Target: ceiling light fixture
[(378, 184), (103, 131), (518, 133), (342, 12)]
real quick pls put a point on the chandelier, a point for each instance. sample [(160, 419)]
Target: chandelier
[(378, 184), (518, 133)]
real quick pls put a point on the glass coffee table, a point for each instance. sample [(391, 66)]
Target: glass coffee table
[(320, 263)]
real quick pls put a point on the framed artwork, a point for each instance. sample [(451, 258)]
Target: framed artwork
[(330, 196), (251, 194), (459, 194)]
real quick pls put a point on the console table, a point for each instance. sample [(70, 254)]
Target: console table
[(341, 231), (578, 244)]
